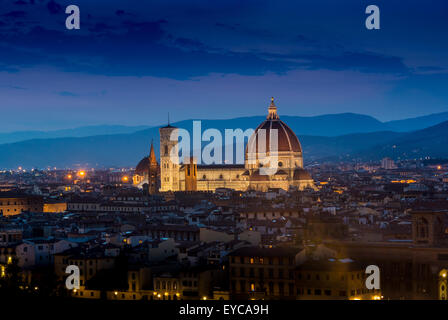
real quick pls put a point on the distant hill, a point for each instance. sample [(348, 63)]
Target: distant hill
[(75, 132), (432, 141), (329, 125), (325, 125), (345, 147), (128, 149), (418, 123)]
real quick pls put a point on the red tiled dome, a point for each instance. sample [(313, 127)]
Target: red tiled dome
[(287, 140), (142, 167)]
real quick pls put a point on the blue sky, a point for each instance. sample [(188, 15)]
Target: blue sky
[(134, 61)]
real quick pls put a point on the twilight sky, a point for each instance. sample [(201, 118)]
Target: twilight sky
[(133, 61)]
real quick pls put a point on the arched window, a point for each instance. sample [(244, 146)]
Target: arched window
[(422, 228), (166, 150)]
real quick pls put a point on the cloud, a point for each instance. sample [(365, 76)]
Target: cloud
[(189, 43), (226, 26), (13, 87), (367, 62), (101, 27), (67, 94), (117, 45), (300, 38), (54, 7), (15, 14), (123, 13)]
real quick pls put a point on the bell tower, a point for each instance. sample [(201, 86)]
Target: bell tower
[(153, 172), (169, 159)]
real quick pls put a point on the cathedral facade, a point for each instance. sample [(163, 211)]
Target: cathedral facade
[(177, 176)]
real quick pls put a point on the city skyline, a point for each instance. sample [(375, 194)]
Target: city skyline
[(227, 157)]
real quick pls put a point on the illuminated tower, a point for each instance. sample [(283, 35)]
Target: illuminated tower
[(153, 172), (169, 159), (191, 168)]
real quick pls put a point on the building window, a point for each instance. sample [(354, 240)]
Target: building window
[(243, 285), (281, 288)]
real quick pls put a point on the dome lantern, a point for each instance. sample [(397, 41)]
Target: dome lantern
[(272, 111)]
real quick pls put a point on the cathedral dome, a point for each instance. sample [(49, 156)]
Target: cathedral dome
[(287, 140), (142, 167), (146, 163)]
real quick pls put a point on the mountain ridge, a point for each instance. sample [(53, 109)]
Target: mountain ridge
[(125, 150), (322, 125)]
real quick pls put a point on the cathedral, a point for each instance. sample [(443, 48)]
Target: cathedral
[(194, 177), (147, 172)]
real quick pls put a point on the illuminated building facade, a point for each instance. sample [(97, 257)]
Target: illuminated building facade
[(193, 177), (263, 273), (13, 203)]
